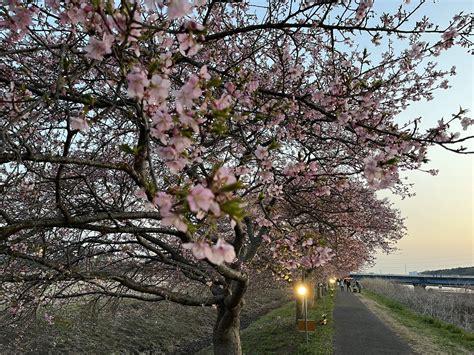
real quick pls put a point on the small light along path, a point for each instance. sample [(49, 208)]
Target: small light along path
[(359, 331)]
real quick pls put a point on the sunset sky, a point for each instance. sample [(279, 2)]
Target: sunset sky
[(440, 217)]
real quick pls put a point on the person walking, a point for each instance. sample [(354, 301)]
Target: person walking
[(341, 284), (348, 285), (359, 287)]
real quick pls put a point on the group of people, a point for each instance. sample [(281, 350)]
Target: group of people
[(349, 284)]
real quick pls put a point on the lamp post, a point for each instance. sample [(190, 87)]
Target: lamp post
[(302, 291)]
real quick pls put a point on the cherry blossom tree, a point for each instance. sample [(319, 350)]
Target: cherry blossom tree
[(167, 150)]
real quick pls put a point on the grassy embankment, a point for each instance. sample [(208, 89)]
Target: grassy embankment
[(128, 327), (275, 333), (445, 336)]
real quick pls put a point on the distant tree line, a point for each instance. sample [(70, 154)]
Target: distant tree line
[(461, 271)]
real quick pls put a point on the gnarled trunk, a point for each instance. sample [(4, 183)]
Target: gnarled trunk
[(226, 336)]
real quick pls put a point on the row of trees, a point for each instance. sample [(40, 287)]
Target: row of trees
[(167, 151)]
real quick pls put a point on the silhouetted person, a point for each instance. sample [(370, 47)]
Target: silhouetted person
[(341, 284), (359, 287)]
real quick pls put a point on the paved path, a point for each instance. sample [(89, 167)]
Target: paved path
[(359, 331)]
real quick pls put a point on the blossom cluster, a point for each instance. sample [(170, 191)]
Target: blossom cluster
[(216, 254)]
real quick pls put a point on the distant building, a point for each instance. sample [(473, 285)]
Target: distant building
[(413, 273)]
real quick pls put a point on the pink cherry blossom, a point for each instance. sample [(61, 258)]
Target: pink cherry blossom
[(449, 35), (193, 26), (53, 3), (162, 122), (167, 153), (189, 121), (221, 252), (325, 253), (308, 242), (22, 18), (135, 28), (263, 222), (466, 122), (217, 254), (158, 90), (178, 8), (188, 45), (364, 7), (137, 82), (203, 73), (180, 143), (96, 49), (266, 176), (164, 201), (177, 165), (141, 194), (200, 198), (200, 250), (223, 102), (175, 220), (224, 177), (323, 191), (188, 92), (79, 123), (215, 209), (261, 152)]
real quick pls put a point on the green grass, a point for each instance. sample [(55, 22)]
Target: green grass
[(442, 333), (275, 333)]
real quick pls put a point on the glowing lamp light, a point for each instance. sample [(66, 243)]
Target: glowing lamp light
[(332, 281), (301, 290)]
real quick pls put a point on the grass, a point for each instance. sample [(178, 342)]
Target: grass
[(455, 308), (447, 335), (131, 327), (275, 333)]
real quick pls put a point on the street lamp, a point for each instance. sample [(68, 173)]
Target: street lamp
[(302, 290)]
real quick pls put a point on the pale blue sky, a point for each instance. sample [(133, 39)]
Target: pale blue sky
[(440, 217)]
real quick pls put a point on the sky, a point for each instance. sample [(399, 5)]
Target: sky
[(439, 219)]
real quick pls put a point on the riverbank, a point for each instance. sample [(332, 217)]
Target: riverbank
[(424, 334)]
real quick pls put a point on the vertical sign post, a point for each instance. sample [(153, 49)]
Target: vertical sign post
[(305, 301), (302, 291)]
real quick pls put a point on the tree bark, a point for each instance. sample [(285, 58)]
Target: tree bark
[(226, 336)]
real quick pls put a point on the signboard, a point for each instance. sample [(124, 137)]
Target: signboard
[(311, 325)]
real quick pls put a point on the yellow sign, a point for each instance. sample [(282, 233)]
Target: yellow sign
[(311, 325)]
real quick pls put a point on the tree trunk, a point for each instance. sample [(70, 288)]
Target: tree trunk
[(226, 336)]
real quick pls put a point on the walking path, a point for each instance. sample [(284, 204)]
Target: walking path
[(359, 331)]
